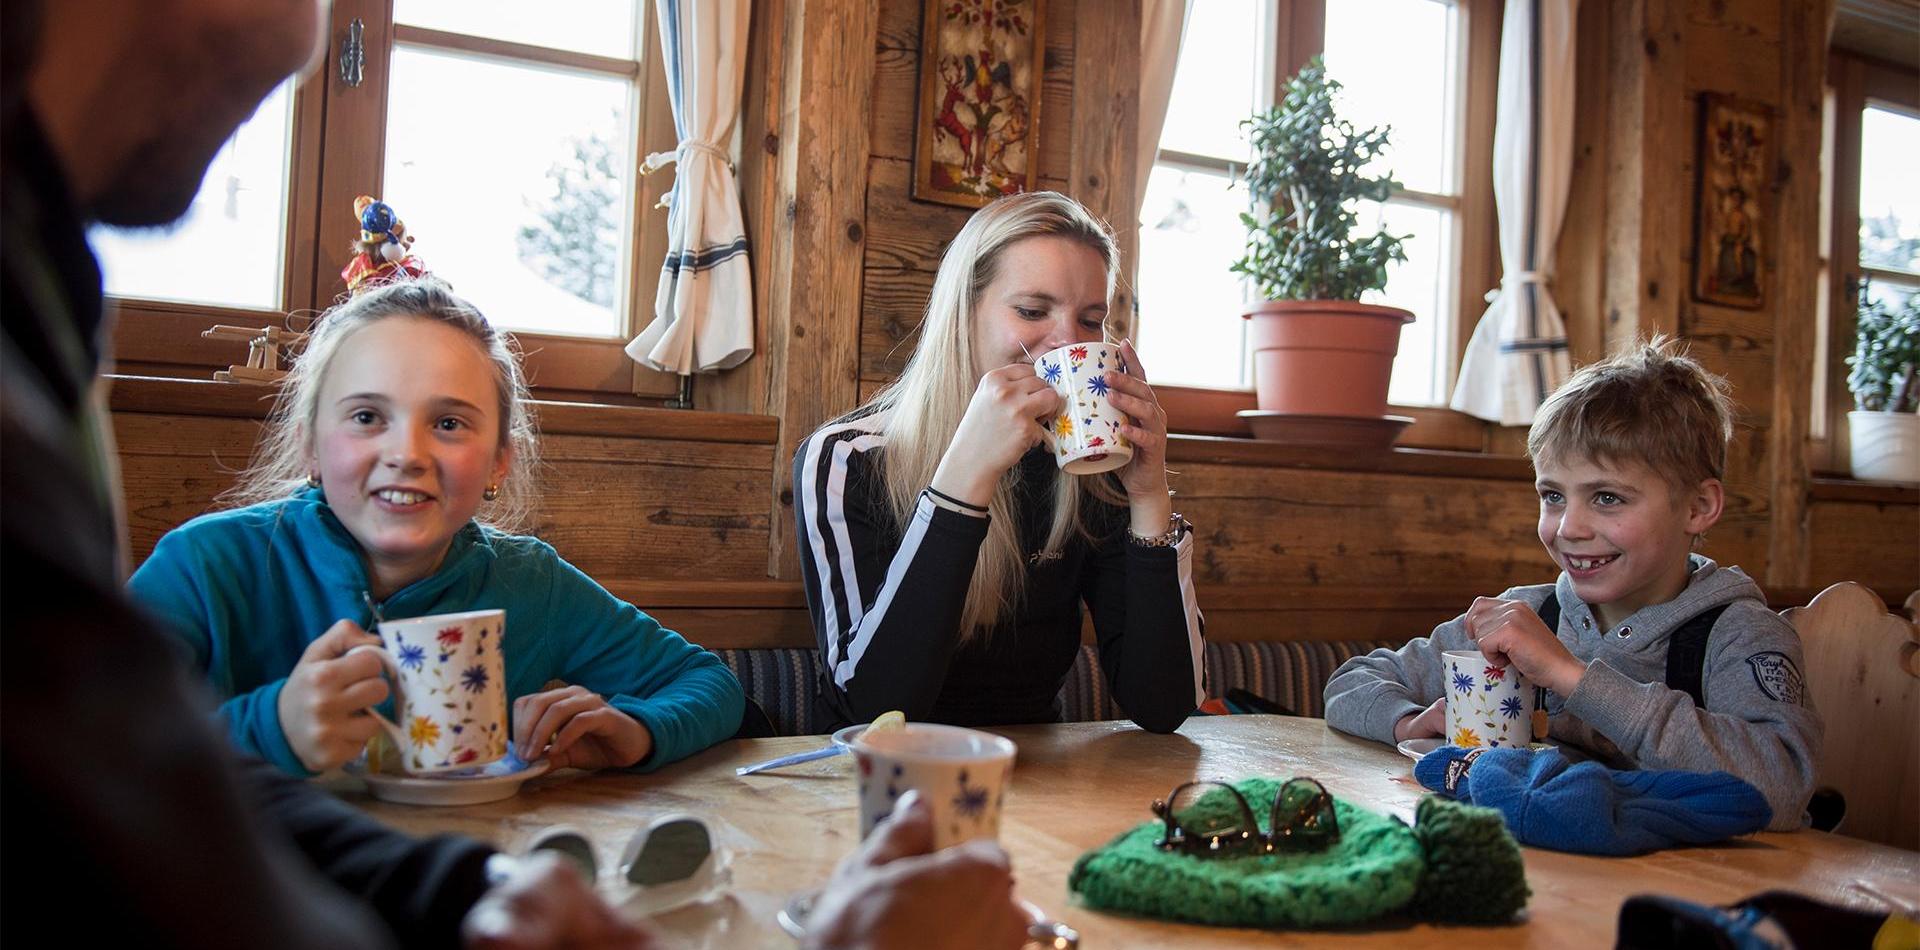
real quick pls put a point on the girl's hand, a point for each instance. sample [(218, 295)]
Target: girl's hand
[(1001, 424), (575, 728), (323, 705), (1510, 633), (1144, 478)]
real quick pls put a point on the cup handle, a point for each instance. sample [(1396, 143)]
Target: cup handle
[(393, 672)]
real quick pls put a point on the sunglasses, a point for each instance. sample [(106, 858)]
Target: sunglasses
[(668, 850), (1210, 819)]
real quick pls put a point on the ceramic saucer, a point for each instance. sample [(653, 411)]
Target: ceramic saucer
[(490, 783), (1417, 749)]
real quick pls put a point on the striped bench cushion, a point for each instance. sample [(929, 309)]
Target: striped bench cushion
[(782, 681), (1293, 673)]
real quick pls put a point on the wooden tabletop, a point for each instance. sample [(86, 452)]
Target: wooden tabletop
[(1077, 785)]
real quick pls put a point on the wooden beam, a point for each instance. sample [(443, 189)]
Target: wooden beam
[(1106, 122), (812, 356), (1803, 33), (1647, 185)]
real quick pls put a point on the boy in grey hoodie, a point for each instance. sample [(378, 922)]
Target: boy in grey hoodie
[(1653, 657)]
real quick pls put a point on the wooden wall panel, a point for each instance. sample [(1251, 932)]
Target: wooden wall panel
[(1273, 526), (1875, 543), (628, 508)]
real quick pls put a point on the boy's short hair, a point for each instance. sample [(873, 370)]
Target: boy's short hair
[(1650, 404)]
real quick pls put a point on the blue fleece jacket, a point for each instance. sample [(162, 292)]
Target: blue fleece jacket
[(248, 589)]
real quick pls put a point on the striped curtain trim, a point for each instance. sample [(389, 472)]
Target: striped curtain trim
[(705, 258)]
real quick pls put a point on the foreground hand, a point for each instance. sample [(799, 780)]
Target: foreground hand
[(575, 728), (1427, 723), (1001, 424), (544, 903), (323, 705), (894, 893), (1146, 475), (1510, 633)]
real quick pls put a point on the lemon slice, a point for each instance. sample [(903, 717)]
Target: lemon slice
[(890, 721)]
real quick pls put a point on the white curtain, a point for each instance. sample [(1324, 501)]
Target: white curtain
[(703, 314), (1518, 354), (1162, 25)]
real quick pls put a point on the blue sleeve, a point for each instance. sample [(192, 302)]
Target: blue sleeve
[(174, 585), (683, 694)]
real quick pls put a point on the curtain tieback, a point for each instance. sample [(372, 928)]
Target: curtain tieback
[(659, 160), (1517, 278)]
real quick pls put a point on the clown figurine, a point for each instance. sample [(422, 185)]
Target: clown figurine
[(384, 250)]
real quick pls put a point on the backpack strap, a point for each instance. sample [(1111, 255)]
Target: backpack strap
[(1550, 612), (1687, 653)]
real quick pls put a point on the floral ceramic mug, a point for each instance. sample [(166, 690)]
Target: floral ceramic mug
[(450, 694), (962, 774), (1085, 433), (1491, 706)]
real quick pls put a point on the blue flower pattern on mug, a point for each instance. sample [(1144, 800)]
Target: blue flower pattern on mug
[(1050, 372), (970, 800), (1462, 682), (1097, 385), (474, 679), (412, 656), (1510, 707)]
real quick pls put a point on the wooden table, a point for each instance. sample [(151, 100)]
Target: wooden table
[(1077, 785)]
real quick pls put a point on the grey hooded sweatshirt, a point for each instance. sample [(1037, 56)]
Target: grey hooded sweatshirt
[(1758, 723)]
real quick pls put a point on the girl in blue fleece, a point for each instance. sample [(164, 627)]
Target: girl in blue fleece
[(404, 420)]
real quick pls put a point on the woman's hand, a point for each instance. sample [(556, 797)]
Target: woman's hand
[(1144, 478), (1002, 423), (573, 727), (323, 704)]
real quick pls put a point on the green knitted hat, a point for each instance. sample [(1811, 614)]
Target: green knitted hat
[(1378, 867)]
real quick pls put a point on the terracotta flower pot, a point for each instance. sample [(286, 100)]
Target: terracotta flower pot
[(1324, 357)]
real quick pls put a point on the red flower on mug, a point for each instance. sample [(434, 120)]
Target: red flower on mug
[(1096, 440), (1078, 353), (1496, 672), (466, 755), (450, 637)]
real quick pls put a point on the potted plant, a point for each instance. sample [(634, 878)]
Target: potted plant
[(1884, 427), (1316, 349)]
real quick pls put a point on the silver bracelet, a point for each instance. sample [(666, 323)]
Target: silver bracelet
[(1177, 528)]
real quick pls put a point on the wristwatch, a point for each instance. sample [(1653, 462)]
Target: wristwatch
[(1177, 528)]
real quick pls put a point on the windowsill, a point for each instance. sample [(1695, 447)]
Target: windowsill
[(1853, 489), (1214, 412), (195, 397), (1191, 449)]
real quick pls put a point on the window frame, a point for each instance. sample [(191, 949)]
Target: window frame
[(1300, 34), (1853, 84), (336, 152)]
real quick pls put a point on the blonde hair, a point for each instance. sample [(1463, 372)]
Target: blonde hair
[(923, 408), (1650, 404), (280, 464)]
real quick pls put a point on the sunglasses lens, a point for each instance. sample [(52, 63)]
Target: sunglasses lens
[(1209, 810), (671, 850), (571, 845)]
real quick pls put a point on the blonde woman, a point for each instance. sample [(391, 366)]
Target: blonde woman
[(946, 557)]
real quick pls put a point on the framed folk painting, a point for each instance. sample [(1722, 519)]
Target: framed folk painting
[(1733, 205), (979, 121)]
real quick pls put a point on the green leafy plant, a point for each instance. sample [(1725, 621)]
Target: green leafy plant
[(1306, 176), (1886, 357)]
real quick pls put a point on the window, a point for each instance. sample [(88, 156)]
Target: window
[(1870, 227), (542, 219), (1889, 204), (1235, 56)]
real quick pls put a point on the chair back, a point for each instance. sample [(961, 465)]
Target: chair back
[(1863, 672)]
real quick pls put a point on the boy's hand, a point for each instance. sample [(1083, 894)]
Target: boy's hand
[(1510, 633), (1427, 723)]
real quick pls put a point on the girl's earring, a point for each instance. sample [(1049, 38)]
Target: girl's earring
[(492, 492), (313, 480)]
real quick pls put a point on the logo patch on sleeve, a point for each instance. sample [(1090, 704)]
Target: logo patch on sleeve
[(1776, 676)]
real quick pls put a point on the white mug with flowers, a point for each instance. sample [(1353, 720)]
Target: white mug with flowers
[(1491, 706), (449, 689)]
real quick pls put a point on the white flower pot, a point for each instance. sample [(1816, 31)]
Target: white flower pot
[(1886, 445)]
